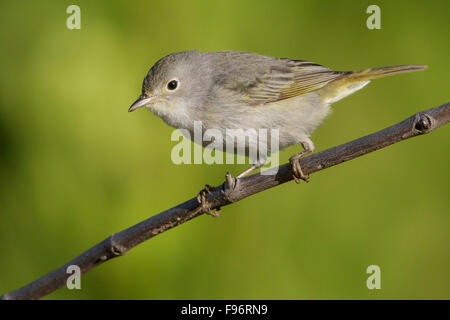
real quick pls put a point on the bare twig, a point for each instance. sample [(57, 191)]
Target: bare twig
[(119, 243)]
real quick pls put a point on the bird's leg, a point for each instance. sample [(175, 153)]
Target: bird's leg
[(297, 172), (246, 172), (231, 182)]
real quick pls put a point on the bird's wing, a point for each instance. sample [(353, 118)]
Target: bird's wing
[(259, 80)]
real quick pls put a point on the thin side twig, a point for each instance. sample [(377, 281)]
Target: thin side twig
[(119, 243)]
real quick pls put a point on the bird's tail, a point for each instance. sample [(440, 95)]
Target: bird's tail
[(374, 73), (352, 81)]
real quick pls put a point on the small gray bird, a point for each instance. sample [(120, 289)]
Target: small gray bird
[(241, 90)]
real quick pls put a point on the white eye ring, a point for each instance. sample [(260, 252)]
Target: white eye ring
[(172, 85)]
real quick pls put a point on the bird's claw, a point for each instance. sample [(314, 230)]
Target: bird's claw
[(231, 183), (297, 172), (201, 198)]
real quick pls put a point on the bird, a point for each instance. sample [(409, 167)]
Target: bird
[(244, 90)]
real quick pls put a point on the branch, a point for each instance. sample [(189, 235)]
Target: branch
[(119, 243)]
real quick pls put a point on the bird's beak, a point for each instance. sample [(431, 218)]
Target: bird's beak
[(142, 101)]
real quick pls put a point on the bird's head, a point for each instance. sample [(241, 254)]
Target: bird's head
[(176, 83)]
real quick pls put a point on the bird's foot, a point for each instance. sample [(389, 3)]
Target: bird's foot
[(201, 198), (230, 185), (296, 169)]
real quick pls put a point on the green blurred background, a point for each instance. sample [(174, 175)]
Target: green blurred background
[(75, 167)]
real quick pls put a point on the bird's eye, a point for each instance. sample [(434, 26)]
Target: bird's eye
[(172, 85)]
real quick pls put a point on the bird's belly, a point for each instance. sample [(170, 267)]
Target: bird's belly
[(273, 126)]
